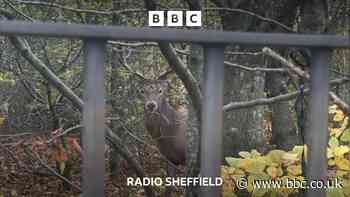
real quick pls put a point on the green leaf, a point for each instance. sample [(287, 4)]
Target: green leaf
[(259, 192), (254, 153), (346, 136), (62, 166), (333, 142), (298, 149), (244, 154), (232, 161), (276, 156), (256, 167)]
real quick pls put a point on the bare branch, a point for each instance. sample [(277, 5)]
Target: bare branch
[(285, 27), (132, 71), (42, 163), (342, 104), (255, 69), (184, 74), (297, 70), (133, 44), (267, 101), (18, 11), (78, 10), (65, 132)]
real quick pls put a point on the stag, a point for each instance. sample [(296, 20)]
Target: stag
[(165, 124)]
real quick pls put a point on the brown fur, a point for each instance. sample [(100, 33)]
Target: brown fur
[(165, 124)]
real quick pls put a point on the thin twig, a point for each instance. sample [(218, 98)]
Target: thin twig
[(15, 135), (65, 132), (256, 69), (12, 154), (78, 10), (267, 101), (285, 27), (129, 132), (42, 163), (18, 11)]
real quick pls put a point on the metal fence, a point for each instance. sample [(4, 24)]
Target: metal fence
[(214, 42)]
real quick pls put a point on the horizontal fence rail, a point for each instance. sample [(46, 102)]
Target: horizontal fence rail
[(173, 35), (95, 37)]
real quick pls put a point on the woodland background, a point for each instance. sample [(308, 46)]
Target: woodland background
[(255, 115)]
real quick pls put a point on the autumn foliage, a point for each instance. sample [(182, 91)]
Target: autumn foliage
[(283, 165)]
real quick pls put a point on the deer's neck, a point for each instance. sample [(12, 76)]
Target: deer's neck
[(165, 108), (162, 122)]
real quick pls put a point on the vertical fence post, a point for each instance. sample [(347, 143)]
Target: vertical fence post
[(317, 135), (211, 139), (93, 119)]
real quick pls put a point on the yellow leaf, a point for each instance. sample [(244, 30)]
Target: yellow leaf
[(346, 188), (305, 152), (341, 150), (298, 150), (336, 132), (274, 172), (253, 165), (294, 170), (276, 155), (339, 116), (245, 163), (331, 162), (345, 123), (244, 154), (290, 157), (332, 109), (330, 153), (254, 153), (342, 163), (228, 185), (250, 184), (62, 166), (341, 173)]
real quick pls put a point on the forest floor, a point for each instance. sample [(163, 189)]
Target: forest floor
[(25, 161)]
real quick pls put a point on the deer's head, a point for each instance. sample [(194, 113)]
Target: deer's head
[(153, 93)]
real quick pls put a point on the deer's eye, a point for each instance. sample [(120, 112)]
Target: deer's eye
[(160, 90), (142, 91)]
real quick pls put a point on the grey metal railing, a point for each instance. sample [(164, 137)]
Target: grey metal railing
[(213, 42)]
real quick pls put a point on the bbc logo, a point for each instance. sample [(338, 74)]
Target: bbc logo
[(175, 18)]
